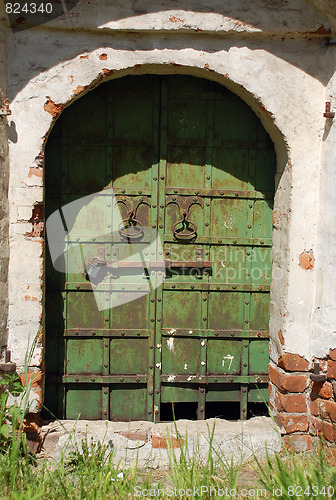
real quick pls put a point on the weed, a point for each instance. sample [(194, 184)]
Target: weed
[(90, 456), (298, 475), (10, 417), (188, 471), (89, 472)]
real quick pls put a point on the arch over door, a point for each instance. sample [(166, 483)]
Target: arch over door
[(197, 165)]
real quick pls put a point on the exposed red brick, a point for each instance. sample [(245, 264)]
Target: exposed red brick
[(330, 410), (37, 379), (163, 442), (38, 230), (103, 57), (79, 89), (306, 260), (281, 338), (174, 19), (288, 382), (323, 429), (332, 354), (323, 389), (41, 333), (108, 72), (52, 108), (241, 23), (292, 423), (323, 408), (37, 221), (331, 369), (38, 172), (273, 374), (330, 453), (333, 383), (32, 422), (293, 362), (291, 403), (31, 425), (84, 57), (315, 406), (298, 442), (30, 297)]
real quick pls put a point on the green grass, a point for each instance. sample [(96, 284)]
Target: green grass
[(89, 471), (306, 475)]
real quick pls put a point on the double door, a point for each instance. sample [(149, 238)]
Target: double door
[(177, 178)]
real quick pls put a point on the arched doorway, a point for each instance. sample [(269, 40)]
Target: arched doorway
[(190, 160)]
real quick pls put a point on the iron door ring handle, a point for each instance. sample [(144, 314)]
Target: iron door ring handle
[(131, 229), (185, 236)]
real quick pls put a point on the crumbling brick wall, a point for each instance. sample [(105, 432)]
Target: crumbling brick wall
[(304, 408)]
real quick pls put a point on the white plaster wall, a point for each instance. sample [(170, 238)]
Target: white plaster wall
[(324, 318), (283, 79), (3, 194), (212, 16)]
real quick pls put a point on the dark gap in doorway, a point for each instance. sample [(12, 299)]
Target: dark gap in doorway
[(257, 410), (181, 410), (225, 410)]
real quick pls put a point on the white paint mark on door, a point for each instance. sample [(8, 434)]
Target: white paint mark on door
[(170, 344), (230, 359)]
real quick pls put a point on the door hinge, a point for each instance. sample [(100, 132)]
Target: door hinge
[(7, 366), (328, 113)]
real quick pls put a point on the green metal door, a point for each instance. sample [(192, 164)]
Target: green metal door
[(190, 160)]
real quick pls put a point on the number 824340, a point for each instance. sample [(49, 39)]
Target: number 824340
[(310, 491), (29, 8)]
